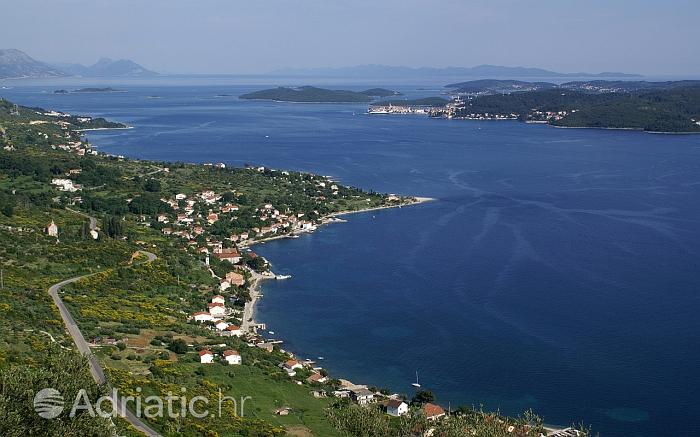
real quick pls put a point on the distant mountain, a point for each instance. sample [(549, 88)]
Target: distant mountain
[(15, 63), (480, 71), (106, 67), (309, 94)]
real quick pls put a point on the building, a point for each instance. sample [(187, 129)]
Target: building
[(202, 316), (221, 325), (218, 299), (217, 310), (433, 412), (206, 357), (317, 377), (396, 407), (234, 278), (232, 357), (52, 229), (231, 255), (233, 331), (362, 396)]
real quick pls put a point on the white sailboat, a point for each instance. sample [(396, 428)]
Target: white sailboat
[(416, 384)]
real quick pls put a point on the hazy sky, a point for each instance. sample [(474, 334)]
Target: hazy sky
[(232, 36)]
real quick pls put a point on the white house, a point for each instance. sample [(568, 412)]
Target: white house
[(206, 357), (52, 229), (202, 316), (290, 366), (221, 325), (233, 331), (396, 407), (217, 310), (218, 299), (225, 285), (362, 396), (232, 356)]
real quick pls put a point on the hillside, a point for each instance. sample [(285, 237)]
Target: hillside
[(674, 109), (17, 64), (309, 94), (496, 86)]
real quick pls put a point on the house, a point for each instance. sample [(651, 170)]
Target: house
[(52, 229), (362, 396), (202, 316), (232, 356), (290, 366), (212, 218), (317, 377), (217, 310), (233, 331), (396, 407), (234, 278), (218, 299), (231, 255), (205, 356), (432, 411), (221, 325), (180, 196), (224, 285)]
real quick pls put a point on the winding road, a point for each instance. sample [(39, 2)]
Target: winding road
[(84, 349)]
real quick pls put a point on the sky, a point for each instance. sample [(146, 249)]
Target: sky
[(651, 37)]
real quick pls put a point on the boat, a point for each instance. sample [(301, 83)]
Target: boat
[(271, 332), (416, 384), (283, 276), (321, 358)]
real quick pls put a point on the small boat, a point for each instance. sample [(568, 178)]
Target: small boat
[(283, 276), (321, 358), (416, 384), (271, 332)]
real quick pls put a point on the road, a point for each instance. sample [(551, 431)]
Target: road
[(84, 349), (93, 220)]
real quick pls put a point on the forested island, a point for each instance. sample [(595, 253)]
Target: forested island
[(310, 94)]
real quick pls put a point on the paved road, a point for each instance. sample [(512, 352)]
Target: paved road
[(82, 345), (93, 220)]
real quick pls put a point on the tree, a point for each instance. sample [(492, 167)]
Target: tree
[(179, 346), (152, 185), (423, 397)]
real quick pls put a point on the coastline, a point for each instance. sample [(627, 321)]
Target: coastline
[(248, 318)]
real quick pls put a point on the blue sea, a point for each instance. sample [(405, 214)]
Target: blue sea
[(558, 269)]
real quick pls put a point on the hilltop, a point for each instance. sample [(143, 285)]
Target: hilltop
[(17, 64)]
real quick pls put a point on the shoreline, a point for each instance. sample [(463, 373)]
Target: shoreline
[(248, 318)]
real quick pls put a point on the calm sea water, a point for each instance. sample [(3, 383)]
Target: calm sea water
[(559, 269)]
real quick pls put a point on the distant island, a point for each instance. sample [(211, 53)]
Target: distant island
[(310, 94), (479, 71), (90, 90), (668, 107)]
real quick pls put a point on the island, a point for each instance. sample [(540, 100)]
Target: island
[(98, 90), (310, 94)]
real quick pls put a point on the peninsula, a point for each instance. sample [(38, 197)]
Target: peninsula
[(663, 107), (148, 265)]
